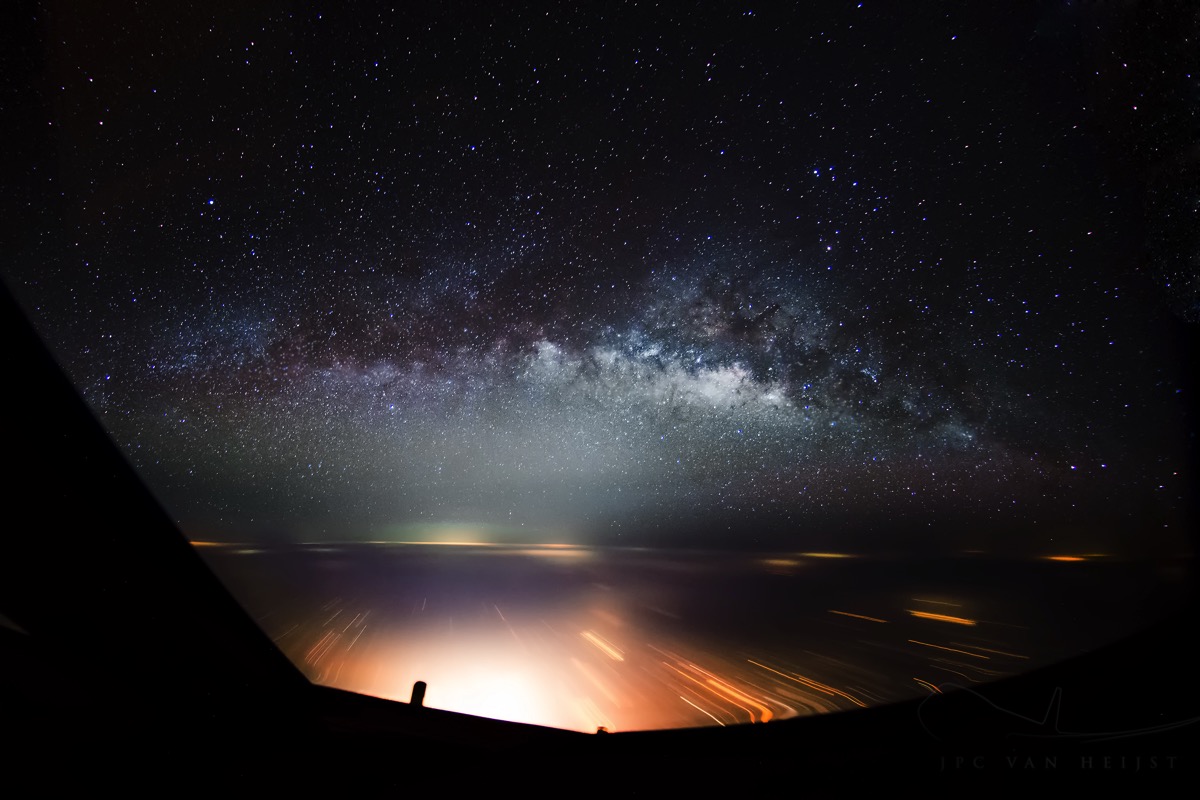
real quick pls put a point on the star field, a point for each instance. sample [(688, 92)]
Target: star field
[(632, 275)]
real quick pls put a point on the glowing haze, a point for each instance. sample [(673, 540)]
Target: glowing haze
[(691, 279)]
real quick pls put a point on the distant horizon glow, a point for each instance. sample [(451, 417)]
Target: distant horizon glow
[(700, 279)]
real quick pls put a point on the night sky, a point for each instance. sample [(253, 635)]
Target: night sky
[(625, 273)]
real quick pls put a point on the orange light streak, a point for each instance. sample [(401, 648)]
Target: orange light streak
[(765, 714), (603, 646), (951, 649), (942, 617), (710, 690), (857, 616), (701, 710), (994, 652), (811, 684)]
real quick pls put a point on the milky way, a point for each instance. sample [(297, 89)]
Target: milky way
[(732, 277)]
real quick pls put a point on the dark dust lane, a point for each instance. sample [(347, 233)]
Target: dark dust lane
[(583, 638)]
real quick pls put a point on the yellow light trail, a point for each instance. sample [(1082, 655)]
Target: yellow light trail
[(1065, 558), (928, 685), (811, 684), (994, 652), (942, 617), (702, 711), (603, 646), (962, 675), (322, 647), (857, 616), (765, 714), (951, 649), (285, 633), (749, 713), (936, 602), (725, 688)]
